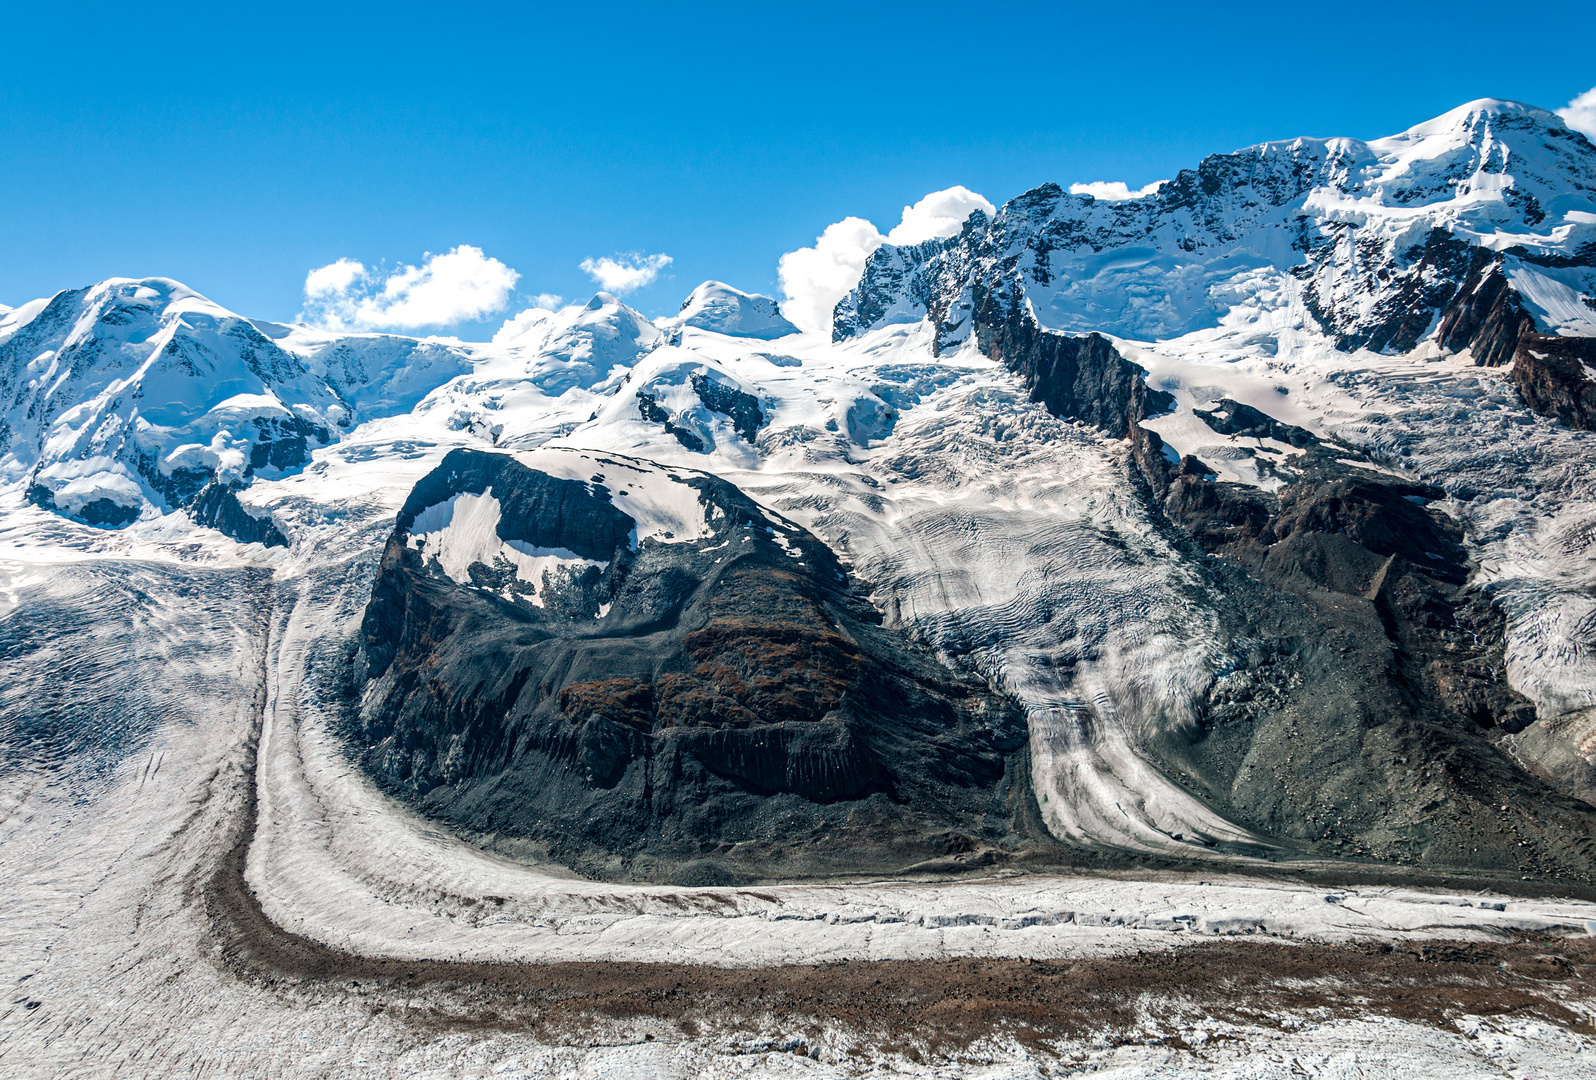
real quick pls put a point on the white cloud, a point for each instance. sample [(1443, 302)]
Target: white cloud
[(444, 290), (334, 278), (625, 272), (524, 322), (1580, 114), (941, 213), (1115, 190), (813, 279)]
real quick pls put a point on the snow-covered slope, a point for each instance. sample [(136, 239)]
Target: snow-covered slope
[(131, 396), (725, 310), (134, 398), (1366, 240)]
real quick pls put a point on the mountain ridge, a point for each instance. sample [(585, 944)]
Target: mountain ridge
[(1364, 241)]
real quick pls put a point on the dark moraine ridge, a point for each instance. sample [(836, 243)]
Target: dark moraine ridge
[(738, 713)]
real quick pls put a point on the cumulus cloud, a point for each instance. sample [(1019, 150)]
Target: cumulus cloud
[(626, 271), (333, 279), (813, 279), (1580, 114), (941, 213), (524, 322), (445, 289), (1115, 190)]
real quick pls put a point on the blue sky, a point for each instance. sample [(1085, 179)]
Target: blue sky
[(237, 147)]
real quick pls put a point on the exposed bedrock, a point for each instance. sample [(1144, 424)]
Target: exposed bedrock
[(1408, 289), (720, 707), (1553, 376), (1365, 709), (1552, 372), (1081, 377), (217, 506), (1485, 316)]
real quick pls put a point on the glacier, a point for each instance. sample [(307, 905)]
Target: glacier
[(1004, 438)]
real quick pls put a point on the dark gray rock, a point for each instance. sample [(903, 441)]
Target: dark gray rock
[(1486, 315), (217, 506), (741, 408), (654, 412), (1081, 377), (1552, 374), (737, 712)]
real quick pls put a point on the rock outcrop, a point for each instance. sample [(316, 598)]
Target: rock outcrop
[(1372, 663), (723, 706), (1556, 376)]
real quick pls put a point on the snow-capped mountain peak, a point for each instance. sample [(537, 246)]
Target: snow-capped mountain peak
[(1367, 241), (133, 395), (719, 307)]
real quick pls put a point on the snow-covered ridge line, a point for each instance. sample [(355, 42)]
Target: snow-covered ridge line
[(1364, 240), (128, 400)]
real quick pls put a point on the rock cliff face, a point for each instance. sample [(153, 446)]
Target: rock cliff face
[(1373, 662), (1554, 377), (715, 704), (1485, 316), (1552, 372), (1083, 378)]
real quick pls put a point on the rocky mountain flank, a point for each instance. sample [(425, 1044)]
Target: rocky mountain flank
[(1462, 233), (709, 708), (1373, 715)]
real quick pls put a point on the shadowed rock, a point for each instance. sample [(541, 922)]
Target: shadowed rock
[(1367, 712)]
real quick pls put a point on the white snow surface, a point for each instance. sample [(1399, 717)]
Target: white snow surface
[(725, 310), (465, 530)]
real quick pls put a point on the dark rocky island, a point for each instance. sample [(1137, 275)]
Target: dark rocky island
[(736, 712)]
